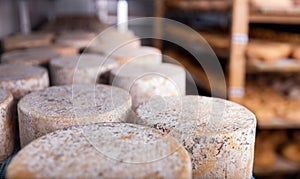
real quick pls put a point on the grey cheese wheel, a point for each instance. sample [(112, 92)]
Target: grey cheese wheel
[(85, 68), (143, 54), (57, 107), (30, 56), (21, 80), (218, 134), (7, 125), (145, 81), (110, 40), (104, 150)]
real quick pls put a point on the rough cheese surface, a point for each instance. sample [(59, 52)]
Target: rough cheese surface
[(21, 80), (7, 125), (145, 81), (57, 107), (82, 152), (30, 56), (219, 135), (85, 68)]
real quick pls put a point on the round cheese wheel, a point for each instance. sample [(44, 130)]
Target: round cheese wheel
[(27, 41), (62, 50), (78, 39), (85, 68), (218, 134), (31, 56), (104, 150), (7, 125), (21, 80), (109, 40), (57, 107), (145, 81), (143, 54)]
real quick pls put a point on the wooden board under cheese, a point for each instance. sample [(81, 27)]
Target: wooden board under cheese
[(104, 150), (85, 68), (218, 134), (23, 79), (54, 108), (7, 125), (145, 81)]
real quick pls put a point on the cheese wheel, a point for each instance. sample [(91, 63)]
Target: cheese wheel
[(31, 56), (62, 50), (268, 52), (146, 81), (104, 150), (7, 125), (110, 40), (25, 41), (143, 54), (21, 80), (57, 107), (85, 68), (218, 134), (296, 53), (78, 39)]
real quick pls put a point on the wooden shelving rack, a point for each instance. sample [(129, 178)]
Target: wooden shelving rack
[(241, 16)]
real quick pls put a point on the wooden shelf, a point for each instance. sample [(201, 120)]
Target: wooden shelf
[(275, 17), (285, 65), (203, 5), (281, 166), (278, 123)]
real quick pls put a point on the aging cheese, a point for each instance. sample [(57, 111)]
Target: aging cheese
[(78, 39), (7, 125), (57, 107), (21, 80), (85, 68), (110, 40), (25, 41), (104, 150), (143, 54), (145, 81), (31, 56), (219, 135)]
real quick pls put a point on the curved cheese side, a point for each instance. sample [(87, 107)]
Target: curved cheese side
[(54, 108)]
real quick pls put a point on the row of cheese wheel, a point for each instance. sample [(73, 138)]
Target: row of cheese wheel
[(206, 137)]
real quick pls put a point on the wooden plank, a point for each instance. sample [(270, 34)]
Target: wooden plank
[(239, 40), (203, 5), (278, 123), (284, 65), (274, 18)]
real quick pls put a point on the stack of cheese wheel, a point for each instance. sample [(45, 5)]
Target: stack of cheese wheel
[(219, 135), (85, 68), (7, 125), (78, 39), (21, 80), (104, 150), (145, 81), (30, 56), (143, 54), (25, 41), (110, 40), (54, 108)]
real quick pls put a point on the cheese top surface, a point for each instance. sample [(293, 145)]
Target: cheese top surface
[(71, 101), (11, 72), (195, 114), (107, 150)]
